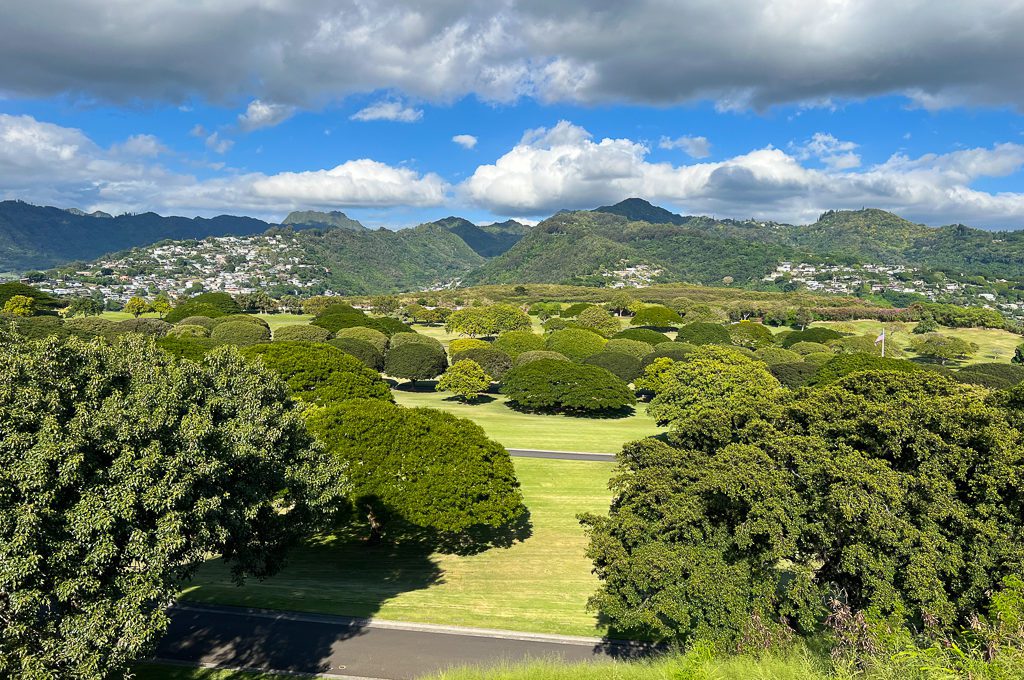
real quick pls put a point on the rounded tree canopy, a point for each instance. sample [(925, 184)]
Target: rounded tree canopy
[(817, 334), (805, 347), (841, 365), (154, 327), (551, 385), (537, 355), (647, 335), (399, 339), (575, 343), (301, 332), (204, 321), (210, 305), (493, 361), (371, 335), (363, 351), (750, 334), (676, 351), (241, 333), (462, 344), (514, 343), (656, 316), (182, 330), (415, 361), (242, 318), (634, 348), (320, 373), (626, 367), (700, 333), (777, 355)]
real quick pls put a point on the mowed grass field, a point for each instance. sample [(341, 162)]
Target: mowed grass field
[(516, 430), (540, 584), (993, 345)]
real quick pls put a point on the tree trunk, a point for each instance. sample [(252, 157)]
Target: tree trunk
[(376, 527)]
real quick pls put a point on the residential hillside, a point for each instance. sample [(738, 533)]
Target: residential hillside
[(37, 237)]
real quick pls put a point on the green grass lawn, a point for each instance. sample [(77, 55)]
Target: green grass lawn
[(540, 584), (994, 345), (156, 671), (535, 431), (124, 316), (276, 320)]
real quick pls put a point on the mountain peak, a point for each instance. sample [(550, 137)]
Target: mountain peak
[(639, 210), (316, 218)]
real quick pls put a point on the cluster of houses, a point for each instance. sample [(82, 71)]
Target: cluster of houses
[(235, 265), (630, 275)]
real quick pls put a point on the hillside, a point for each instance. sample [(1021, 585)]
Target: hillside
[(488, 240), (315, 218), (36, 237)]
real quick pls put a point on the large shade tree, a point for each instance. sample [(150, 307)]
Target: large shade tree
[(121, 472)]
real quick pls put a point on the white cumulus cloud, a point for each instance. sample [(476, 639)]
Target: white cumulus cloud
[(261, 114), (465, 141), (388, 110), (834, 153), (695, 147)]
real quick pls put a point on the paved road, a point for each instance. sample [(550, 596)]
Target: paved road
[(344, 647), (562, 455)]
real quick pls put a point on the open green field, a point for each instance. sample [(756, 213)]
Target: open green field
[(275, 320), (516, 430), (124, 316), (540, 584), (994, 345)]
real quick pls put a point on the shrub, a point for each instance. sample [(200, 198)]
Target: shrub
[(624, 366), (537, 355), (552, 385), (153, 327), (647, 335), (390, 326), (814, 334), (375, 337), (415, 361), (462, 344), (676, 351), (704, 334), (819, 358), (240, 333), (514, 343), (657, 316), (204, 321), (841, 365), (807, 347), (493, 361), (634, 348), (465, 378), (361, 350), (490, 320), (212, 305), (301, 332), (188, 331), (399, 339), (750, 335), (777, 355), (794, 374), (575, 343), (320, 373), (419, 466)]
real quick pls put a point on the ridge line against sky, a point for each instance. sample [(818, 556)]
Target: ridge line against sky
[(400, 112)]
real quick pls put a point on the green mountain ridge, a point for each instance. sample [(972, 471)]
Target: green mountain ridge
[(315, 218)]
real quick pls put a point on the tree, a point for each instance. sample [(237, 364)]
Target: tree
[(551, 385), (419, 466), (598, 320), (815, 334), (494, 362), (462, 344), (19, 305), (385, 305), (713, 394), (842, 365), (137, 306), (84, 306), (655, 376), (642, 335), (620, 302), (320, 374), (625, 367), (514, 343), (942, 348), (465, 379), (803, 317), (699, 333), (371, 335), (128, 471), (1018, 354), (301, 332), (212, 305), (575, 343), (491, 320), (657, 316), (361, 350), (256, 301), (750, 335), (634, 348), (537, 355), (161, 305), (240, 333), (415, 361), (894, 497)]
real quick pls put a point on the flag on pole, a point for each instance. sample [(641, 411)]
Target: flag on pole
[(881, 337)]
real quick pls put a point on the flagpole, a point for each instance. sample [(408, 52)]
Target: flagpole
[(883, 342)]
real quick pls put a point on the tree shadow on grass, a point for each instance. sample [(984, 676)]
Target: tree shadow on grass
[(479, 400), (417, 386), (611, 414)]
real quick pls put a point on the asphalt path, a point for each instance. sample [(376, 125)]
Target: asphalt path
[(345, 647), (562, 455)]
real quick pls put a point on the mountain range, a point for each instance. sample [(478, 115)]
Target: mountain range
[(569, 247)]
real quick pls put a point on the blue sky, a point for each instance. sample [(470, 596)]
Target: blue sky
[(259, 107)]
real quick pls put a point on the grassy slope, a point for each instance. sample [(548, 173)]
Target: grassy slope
[(541, 584), (532, 431), (994, 345)]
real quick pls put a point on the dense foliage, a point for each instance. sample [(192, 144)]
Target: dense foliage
[(121, 472), (421, 466), (575, 343), (361, 350), (700, 333), (514, 343), (320, 373), (656, 316), (240, 333), (301, 332), (647, 335), (626, 367), (205, 304), (465, 378), (552, 385), (493, 361), (415, 361)]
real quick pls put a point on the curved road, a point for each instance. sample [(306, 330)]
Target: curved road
[(346, 647)]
